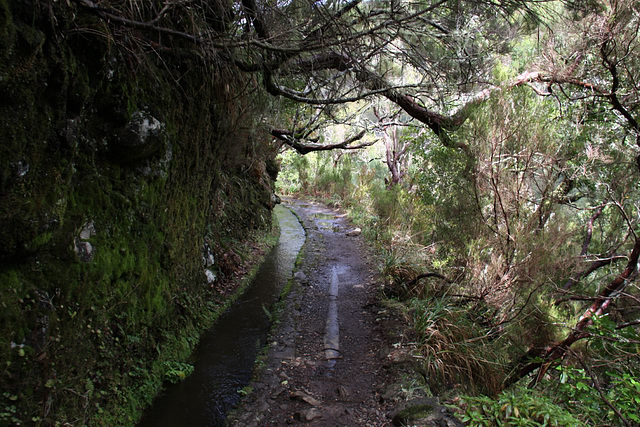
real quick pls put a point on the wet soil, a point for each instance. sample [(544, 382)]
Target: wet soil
[(327, 363)]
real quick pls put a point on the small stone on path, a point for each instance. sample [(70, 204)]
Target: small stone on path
[(309, 414), (306, 398), (354, 232), (343, 392)]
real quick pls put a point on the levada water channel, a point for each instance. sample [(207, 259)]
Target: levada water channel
[(226, 354)]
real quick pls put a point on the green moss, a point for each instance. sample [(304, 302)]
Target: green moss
[(41, 239), (31, 38), (102, 326), (416, 412)]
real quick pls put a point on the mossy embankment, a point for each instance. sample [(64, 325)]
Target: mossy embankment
[(128, 180)]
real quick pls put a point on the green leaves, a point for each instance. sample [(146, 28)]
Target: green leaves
[(577, 388), (521, 407), (177, 371), (625, 392)]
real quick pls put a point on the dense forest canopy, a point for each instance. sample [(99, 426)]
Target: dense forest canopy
[(493, 152), (434, 60)]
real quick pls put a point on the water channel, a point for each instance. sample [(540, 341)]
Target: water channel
[(226, 353)]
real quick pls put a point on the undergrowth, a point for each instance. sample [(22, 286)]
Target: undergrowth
[(519, 407), (465, 326)]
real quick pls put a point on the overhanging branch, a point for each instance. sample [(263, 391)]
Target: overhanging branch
[(303, 148)]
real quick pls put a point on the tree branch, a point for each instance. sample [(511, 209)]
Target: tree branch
[(593, 266), (628, 324), (426, 276), (543, 358), (109, 16), (199, 40), (288, 138), (589, 231)]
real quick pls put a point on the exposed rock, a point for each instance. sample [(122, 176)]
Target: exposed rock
[(399, 355), (391, 393), (207, 261), (309, 414), (425, 411), (211, 276), (342, 392), (207, 255), (262, 405), (286, 353), (82, 248), (22, 169), (157, 166), (277, 392), (87, 134), (355, 232), (142, 137), (300, 395), (87, 231)]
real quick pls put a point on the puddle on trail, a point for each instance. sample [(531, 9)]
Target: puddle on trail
[(325, 221), (226, 353), (323, 216)]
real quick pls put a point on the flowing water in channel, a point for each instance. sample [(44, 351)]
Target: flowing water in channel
[(226, 353)]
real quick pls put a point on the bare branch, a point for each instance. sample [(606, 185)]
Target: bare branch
[(628, 324), (303, 148), (109, 16), (593, 266), (426, 276), (200, 40), (589, 231)]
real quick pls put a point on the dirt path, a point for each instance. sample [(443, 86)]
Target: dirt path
[(316, 373)]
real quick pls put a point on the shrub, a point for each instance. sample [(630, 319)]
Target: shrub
[(521, 407)]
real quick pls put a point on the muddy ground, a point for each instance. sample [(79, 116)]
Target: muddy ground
[(324, 368)]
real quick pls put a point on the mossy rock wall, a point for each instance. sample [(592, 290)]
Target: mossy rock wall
[(125, 175)]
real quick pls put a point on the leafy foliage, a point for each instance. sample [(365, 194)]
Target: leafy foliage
[(519, 196), (520, 407), (177, 371)]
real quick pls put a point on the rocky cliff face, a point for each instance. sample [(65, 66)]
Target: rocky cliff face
[(127, 173)]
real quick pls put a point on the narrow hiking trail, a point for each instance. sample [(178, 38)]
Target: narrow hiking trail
[(326, 364), (337, 356)]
